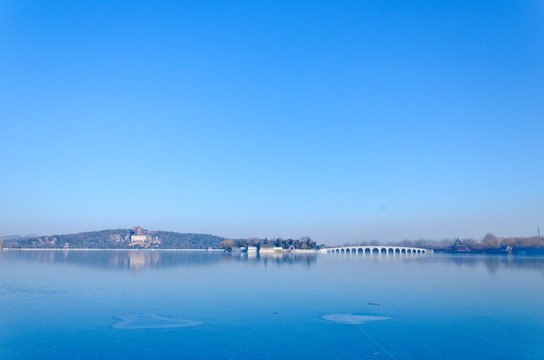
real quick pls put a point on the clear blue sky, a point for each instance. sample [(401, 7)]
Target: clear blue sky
[(340, 120)]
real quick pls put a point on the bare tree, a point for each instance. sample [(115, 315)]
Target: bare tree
[(226, 244)]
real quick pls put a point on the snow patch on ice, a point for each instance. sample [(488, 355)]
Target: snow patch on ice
[(353, 319), (151, 321)]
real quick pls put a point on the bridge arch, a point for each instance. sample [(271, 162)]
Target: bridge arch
[(375, 250)]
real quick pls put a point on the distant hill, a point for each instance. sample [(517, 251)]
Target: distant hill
[(17, 237), (115, 239), (173, 240), (11, 237)]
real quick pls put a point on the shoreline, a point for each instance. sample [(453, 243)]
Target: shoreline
[(76, 249), (296, 251)]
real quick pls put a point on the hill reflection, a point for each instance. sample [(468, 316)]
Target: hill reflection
[(141, 260)]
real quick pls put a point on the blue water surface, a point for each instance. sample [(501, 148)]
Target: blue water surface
[(204, 305)]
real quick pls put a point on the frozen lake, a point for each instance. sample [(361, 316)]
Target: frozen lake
[(138, 304)]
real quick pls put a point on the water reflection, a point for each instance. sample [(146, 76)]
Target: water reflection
[(492, 263), (136, 261), (281, 258), (495, 262)]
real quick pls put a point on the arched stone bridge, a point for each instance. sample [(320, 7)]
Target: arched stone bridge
[(375, 249)]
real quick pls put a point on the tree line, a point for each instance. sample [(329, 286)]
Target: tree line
[(488, 242), (304, 243)]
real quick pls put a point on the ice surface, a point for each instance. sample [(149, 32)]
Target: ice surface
[(152, 321), (353, 319)]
